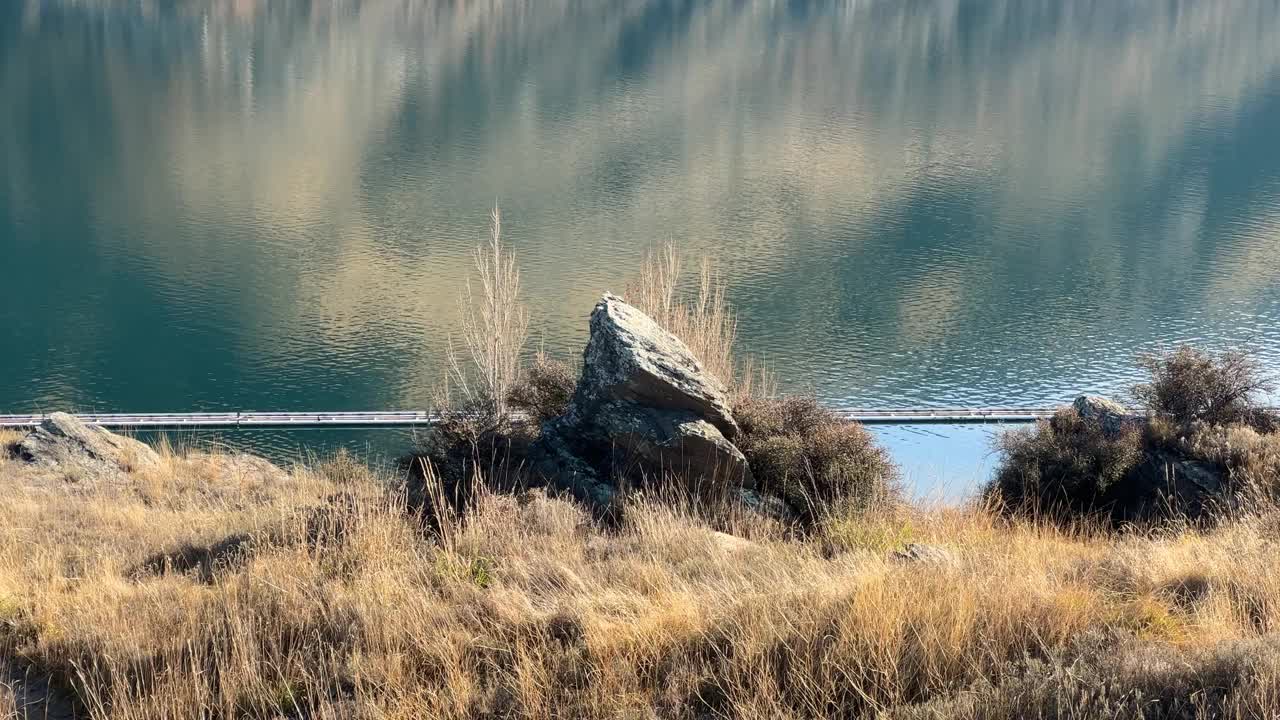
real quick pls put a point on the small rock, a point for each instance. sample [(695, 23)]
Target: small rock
[(65, 443), (1108, 413), (731, 543), (768, 506), (919, 552), (239, 466)]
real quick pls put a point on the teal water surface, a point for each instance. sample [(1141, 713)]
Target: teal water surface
[(230, 204)]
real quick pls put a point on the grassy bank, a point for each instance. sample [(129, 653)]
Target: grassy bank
[(215, 589)]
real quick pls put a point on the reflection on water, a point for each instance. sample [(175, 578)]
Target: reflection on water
[(263, 205)]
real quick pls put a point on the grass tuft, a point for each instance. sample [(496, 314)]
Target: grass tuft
[(703, 320)]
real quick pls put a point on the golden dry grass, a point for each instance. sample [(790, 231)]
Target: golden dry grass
[(8, 703), (8, 439), (704, 320), (218, 589)]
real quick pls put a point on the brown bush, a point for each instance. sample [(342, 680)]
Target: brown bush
[(811, 457), (1064, 467), (544, 389), (1194, 386), (1204, 420)]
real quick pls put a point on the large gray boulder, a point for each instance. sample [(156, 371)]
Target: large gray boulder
[(644, 411), (630, 359), (64, 443), (649, 442)]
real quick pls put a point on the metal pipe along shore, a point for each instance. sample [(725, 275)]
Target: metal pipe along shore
[(417, 418)]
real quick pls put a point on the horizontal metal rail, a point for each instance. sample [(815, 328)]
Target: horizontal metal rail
[(416, 418)]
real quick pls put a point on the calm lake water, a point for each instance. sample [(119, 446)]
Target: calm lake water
[(270, 205)]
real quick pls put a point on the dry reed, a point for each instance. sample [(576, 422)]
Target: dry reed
[(705, 322), (8, 702), (495, 326)]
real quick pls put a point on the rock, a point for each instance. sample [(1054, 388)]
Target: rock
[(920, 552), (650, 443), (768, 506), (1109, 413), (629, 358), (65, 443), (555, 461), (731, 543), (1166, 480), (233, 468), (643, 410)]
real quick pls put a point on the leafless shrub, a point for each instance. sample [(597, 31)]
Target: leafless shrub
[(475, 430), (1194, 386), (545, 389), (495, 326)]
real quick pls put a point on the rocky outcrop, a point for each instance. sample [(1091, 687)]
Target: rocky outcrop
[(1108, 413), (1165, 481), (74, 449), (769, 506), (644, 410)]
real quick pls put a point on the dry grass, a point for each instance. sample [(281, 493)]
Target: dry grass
[(702, 318), (316, 594), (704, 321), (8, 703)]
